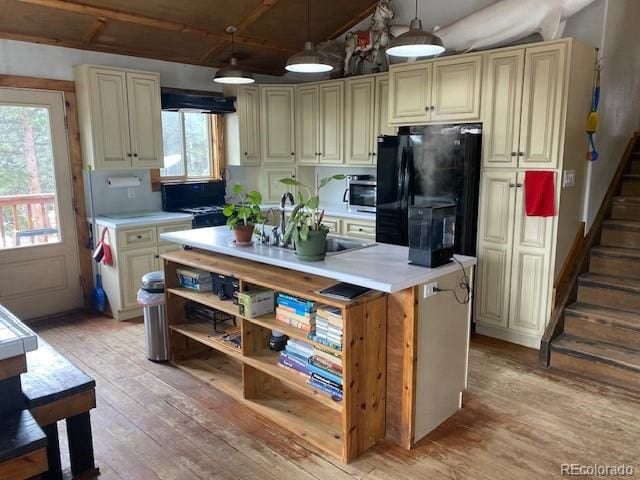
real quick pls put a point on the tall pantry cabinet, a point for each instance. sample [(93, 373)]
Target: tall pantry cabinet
[(534, 103)]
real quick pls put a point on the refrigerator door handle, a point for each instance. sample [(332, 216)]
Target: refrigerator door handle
[(402, 174)]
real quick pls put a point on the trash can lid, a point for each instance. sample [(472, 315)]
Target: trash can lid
[(153, 282)]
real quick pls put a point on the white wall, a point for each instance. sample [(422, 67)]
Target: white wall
[(620, 97)]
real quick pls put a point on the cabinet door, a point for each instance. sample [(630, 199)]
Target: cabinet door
[(455, 95), (331, 97), (307, 128), (410, 94), (495, 241), (333, 224), (272, 188), (110, 119), (381, 110), (530, 275), (501, 108), (277, 124), (249, 116), (132, 265), (145, 120), (542, 100), (360, 121)]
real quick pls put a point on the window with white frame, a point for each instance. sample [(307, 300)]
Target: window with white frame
[(187, 146)]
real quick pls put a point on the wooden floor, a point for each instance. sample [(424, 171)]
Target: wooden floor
[(153, 421)]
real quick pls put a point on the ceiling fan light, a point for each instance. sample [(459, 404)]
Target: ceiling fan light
[(415, 43), (308, 61), (233, 74)]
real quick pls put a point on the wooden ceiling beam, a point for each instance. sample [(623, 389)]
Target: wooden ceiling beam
[(108, 48), (98, 26), (251, 18), (353, 22), (152, 22)]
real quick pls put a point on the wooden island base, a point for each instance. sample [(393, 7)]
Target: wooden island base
[(395, 347)]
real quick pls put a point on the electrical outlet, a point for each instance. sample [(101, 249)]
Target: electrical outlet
[(131, 192), (430, 289), (569, 178)]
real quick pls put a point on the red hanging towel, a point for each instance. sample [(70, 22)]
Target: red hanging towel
[(539, 193)]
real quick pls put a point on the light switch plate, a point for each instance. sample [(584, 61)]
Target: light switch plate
[(131, 192), (569, 178)]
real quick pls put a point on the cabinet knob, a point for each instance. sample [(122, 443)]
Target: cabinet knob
[(427, 108), (373, 154), (521, 154), (514, 154), (245, 153), (135, 155), (518, 185), (511, 185), (128, 155), (157, 256), (433, 107), (292, 154)]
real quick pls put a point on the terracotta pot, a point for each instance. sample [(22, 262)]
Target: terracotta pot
[(243, 232)]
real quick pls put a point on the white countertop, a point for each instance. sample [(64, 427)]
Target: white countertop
[(382, 267), (341, 210), (15, 337), (125, 220)]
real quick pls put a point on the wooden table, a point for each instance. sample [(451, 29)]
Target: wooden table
[(55, 389), (22, 447)]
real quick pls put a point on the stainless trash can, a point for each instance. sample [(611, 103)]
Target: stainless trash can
[(156, 331)]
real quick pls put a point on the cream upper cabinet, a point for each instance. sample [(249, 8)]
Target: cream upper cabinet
[(542, 100), (501, 104), (410, 94), (307, 126), (360, 120), (381, 110), (523, 107), (145, 120), (277, 124), (120, 118), (242, 128), (455, 91), (331, 101), (495, 246)]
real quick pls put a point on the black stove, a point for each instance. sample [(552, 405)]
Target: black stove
[(203, 200)]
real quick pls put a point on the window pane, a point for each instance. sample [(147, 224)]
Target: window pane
[(28, 213), (196, 132), (172, 140)]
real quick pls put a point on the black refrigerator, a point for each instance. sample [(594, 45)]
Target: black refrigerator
[(427, 166)]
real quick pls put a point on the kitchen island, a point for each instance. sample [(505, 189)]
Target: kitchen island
[(404, 352)]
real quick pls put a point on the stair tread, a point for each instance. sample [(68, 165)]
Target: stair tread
[(610, 281), (626, 199), (616, 252), (604, 315), (631, 176), (616, 355), (622, 224)]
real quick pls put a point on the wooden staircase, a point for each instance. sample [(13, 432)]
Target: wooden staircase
[(601, 334)]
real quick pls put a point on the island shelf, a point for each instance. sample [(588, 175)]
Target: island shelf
[(343, 428)]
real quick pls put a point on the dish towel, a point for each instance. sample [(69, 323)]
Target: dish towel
[(539, 194)]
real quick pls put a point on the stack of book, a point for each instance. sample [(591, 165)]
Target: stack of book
[(326, 371), (296, 356), (195, 280), (296, 312), (329, 326)]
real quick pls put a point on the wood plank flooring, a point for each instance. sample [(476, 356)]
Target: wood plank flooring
[(518, 422)]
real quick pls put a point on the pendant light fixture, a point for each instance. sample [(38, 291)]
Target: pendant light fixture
[(232, 73), (309, 60), (416, 42)]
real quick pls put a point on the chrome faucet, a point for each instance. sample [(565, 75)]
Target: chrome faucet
[(264, 238), (283, 222)]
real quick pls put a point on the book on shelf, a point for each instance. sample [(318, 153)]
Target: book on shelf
[(325, 373), (300, 345), (306, 317), (301, 352), (288, 321), (196, 275), (325, 388), (295, 357), (326, 364), (286, 362), (323, 341), (299, 305), (196, 286), (331, 314), (326, 381), (326, 353)]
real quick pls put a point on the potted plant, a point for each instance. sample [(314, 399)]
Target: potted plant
[(305, 228), (244, 214)]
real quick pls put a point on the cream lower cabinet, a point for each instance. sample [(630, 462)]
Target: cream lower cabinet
[(514, 274), (136, 251), (523, 105), (357, 228), (119, 114)]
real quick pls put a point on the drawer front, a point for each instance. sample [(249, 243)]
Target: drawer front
[(360, 229), (137, 237), (332, 223), (173, 227)]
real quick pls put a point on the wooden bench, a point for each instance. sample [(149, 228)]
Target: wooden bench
[(23, 444), (55, 389)]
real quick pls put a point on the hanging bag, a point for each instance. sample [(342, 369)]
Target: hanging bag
[(102, 253)]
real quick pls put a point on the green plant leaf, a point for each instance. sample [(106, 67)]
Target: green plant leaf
[(254, 197), (237, 189), (313, 202), (300, 198), (339, 176), (290, 181), (304, 232)]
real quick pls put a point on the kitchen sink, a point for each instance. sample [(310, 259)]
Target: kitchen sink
[(337, 244)]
